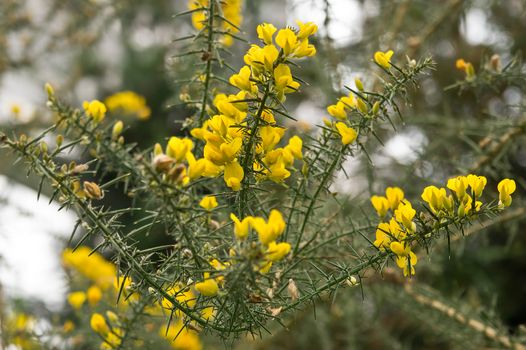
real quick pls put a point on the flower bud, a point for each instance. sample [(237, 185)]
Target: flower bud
[(162, 162), (92, 190), (362, 106), (49, 90), (292, 289), (359, 84), (376, 107), (77, 169), (59, 140), (117, 129), (495, 63)]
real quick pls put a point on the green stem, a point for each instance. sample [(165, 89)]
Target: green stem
[(208, 69), (248, 159)]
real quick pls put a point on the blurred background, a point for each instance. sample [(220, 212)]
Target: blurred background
[(93, 49)]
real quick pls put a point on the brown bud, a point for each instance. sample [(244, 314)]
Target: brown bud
[(177, 173), (79, 169), (292, 289), (495, 63), (206, 56), (92, 190), (162, 162), (275, 311), (214, 225)]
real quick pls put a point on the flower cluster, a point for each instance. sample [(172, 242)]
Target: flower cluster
[(230, 11), (393, 234), (266, 73), (461, 204), (128, 103), (95, 110), (261, 254), (109, 328), (102, 273), (345, 105)]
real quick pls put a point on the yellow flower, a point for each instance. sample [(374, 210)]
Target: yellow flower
[(196, 168), (306, 29), (271, 230), (242, 80), (208, 203), (184, 296), (380, 204), (68, 326), (208, 287), (394, 196), (383, 58), (76, 299), (178, 148), (287, 40), (506, 187), (385, 232), (94, 295), (459, 185), (435, 198), (283, 78), (181, 337), (304, 49), (90, 264), (406, 259), (348, 100), (477, 184), (277, 251), (405, 214), (467, 67), (261, 57), (241, 228), (233, 175), (295, 145), (128, 103), (347, 134), (265, 32), (95, 109), (338, 110), (98, 324)]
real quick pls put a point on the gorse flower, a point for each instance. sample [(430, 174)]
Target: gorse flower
[(208, 287), (231, 11), (128, 103), (467, 67), (383, 58), (208, 202), (95, 109), (397, 233), (506, 187), (348, 134), (76, 299)]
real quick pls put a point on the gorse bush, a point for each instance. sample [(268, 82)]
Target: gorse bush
[(244, 195)]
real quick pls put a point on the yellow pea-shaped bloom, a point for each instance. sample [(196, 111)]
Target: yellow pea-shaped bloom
[(383, 58), (506, 187), (95, 109), (287, 40), (265, 32), (98, 324), (208, 203), (277, 251), (208, 287), (348, 134)]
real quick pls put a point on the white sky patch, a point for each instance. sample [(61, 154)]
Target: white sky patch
[(477, 29), (29, 245), (405, 147), (347, 17)]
